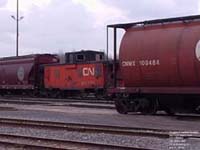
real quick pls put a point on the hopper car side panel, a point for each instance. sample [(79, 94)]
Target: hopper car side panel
[(23, 72), (17, 74)]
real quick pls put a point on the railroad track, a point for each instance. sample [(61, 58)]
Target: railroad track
[(89, 128), (45, 143), (27, 142), (46, 100), (91, 100), (92, 128), (59, 102)]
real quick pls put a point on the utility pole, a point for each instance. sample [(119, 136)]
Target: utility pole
[(17, 19), (17, 30)]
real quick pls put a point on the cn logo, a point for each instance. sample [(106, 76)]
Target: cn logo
[(88, 72)]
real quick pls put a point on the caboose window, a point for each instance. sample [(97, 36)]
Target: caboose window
[(99, 57), (80, 57), (71, 60)]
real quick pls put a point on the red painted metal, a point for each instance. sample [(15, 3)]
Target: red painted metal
[(163, 55), (22, 72), (76, 76)]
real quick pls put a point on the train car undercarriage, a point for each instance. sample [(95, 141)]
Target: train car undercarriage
[(150, 104)]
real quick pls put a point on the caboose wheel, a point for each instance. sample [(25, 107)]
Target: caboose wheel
[(169, 111), (121, 106)]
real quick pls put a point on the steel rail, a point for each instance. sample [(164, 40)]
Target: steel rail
[(44, 100), (69, 103), (89, 100), (90, 128), (12, 101)]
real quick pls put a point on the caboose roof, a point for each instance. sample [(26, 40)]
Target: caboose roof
[(84, 51)]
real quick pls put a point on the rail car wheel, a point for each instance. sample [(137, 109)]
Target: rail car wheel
[(53, 94), (198, 110), (121, 106), (152, 108), (99, 96), (145, 106), (84, 95)]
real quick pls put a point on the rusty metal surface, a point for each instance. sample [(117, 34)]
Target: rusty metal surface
[(75, 76), (161, 55)]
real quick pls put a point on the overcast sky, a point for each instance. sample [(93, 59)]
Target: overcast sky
[(50, 26)]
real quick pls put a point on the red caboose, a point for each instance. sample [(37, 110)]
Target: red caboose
[(76, 78)]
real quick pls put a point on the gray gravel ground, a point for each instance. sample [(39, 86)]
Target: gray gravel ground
[(3, 147), (104, 117), (134, 141), (100, 116)]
